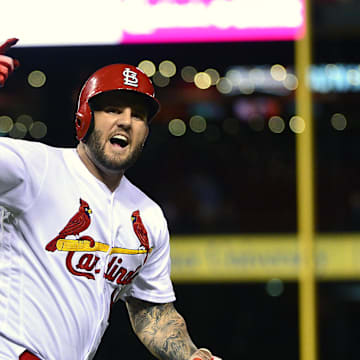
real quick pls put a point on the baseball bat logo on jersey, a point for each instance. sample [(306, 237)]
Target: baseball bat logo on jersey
[(81, 259)]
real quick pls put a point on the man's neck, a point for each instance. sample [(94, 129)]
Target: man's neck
[(110, 179)]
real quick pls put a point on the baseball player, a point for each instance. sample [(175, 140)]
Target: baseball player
[(76, 235)]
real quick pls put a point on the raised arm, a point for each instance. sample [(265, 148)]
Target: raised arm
[(163, 331), (7, 64)]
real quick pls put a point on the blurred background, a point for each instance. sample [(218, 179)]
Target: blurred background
[(221, 161)]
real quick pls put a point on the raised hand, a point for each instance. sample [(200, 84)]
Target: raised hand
[(7, 63)]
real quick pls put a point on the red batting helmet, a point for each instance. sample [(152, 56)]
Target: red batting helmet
[(109, 78)]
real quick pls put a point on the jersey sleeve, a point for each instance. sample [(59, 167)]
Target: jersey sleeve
[(23, 167), (153, 283)]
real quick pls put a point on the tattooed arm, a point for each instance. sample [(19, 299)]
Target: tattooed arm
[(161, 329)]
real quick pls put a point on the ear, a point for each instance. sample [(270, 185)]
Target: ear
[(146, 136)]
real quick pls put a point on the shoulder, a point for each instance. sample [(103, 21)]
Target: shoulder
[(137, 196), (150, 212), (24, 147), (23, 152), (28, 154), (19, 144)]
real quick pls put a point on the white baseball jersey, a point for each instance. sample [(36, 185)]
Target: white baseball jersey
[(69, 248)]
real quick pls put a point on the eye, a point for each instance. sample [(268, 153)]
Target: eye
[(139, 116), (112, 109)]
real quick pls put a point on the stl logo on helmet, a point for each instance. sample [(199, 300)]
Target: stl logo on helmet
[(130, 78)]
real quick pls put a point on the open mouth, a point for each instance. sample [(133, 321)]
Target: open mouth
[(119, 140)]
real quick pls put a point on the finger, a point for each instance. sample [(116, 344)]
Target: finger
[(201, 354), (7, 45), (4, 72), (16, 63), (6, 68), (2, 80), (7, 62)]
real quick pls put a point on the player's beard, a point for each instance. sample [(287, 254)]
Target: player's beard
[(97, 149)]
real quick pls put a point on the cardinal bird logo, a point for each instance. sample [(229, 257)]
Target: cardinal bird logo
[(77, 224), (140, 231)]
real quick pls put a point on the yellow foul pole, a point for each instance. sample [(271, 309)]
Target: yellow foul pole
[(305, 197)]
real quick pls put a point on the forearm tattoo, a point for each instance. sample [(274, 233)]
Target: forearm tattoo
[(161, 329)]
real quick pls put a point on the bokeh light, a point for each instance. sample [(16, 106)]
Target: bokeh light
[(297, 124), (18, 131), (275, 287), (188, 73), (202, 80), (338, 121), (291, 82), (353, 77), (224, 86), (214, 75), (148, 67), (38, 130), (331, 70), (278, 72), (177, 127), (25, 119), (160, 80), (197, 124), (276, 124), (234, 75), (37, 79), (167, 68), (6, 124), (257, 76), (247, 87)]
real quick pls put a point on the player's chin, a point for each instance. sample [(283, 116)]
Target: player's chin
[(124, 159), (114, 166), (117, 154), (120, 163)]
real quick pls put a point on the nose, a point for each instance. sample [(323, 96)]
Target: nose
[(124, 118)]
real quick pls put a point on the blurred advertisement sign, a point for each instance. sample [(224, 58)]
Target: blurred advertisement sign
[(44, 23), (237, 258)]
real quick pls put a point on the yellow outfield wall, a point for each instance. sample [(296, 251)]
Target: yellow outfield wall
[(239, 258)]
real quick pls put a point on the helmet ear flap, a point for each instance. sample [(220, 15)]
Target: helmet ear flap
[(90, 125), (82, 121), (78, 125)]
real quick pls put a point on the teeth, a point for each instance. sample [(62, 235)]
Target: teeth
[(120, 137)]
